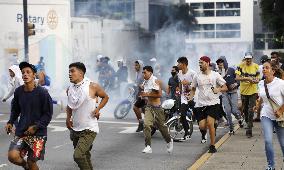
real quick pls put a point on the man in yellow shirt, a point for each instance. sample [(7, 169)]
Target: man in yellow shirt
[(248, 75)]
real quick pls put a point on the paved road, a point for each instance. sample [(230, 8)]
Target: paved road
[(116, 147)]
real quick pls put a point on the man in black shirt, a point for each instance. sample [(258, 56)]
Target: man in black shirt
[(33, 105), (173, 83)]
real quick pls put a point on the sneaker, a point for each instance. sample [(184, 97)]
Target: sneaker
[(147, 149), (282, 168), (204, 140), (270, 168), (140, 127), (212, 149), (231, 132), (170, 146), (186, 137)]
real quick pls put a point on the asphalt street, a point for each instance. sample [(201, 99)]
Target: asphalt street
[(117, 146)]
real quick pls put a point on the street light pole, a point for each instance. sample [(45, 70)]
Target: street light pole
[(26, 36)]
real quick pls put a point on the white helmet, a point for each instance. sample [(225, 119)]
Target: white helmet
[(168, 104)]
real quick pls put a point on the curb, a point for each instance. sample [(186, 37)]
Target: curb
[(197, 164)]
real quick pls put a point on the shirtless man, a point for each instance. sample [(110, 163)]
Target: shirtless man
[(153, 111), (82, 113)]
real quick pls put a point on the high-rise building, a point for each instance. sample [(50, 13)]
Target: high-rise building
[(225, 27)]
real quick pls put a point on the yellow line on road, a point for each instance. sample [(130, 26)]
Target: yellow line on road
[(207, 155)]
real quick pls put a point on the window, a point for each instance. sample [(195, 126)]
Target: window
[(227, 5), (210, 34), (228, 34), (204, 13), (202, 5), (236, 26), (227, 13), (220, 9), (201, 27), (116, 9), (230, 30), (228, 9)]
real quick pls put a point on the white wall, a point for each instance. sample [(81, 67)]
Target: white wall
[(52, 39)]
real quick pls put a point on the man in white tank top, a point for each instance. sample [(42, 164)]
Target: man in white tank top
[(82, 113)]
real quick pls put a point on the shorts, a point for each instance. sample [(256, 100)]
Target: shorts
[(32, 146), (140, 103), (205, 111)]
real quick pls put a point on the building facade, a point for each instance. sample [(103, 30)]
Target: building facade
[(225, 27)]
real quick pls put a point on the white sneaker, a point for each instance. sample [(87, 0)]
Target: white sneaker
[(147, 149), (170, 146), (204, 140)]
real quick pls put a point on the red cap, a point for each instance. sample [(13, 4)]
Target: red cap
[(206, 59)]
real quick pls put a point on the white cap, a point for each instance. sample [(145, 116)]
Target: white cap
[(248, 55)]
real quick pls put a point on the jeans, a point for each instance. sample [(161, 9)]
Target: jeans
[(267, 128), (230, 104)]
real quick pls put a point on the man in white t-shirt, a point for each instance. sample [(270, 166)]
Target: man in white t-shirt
[(209, 84), (82, 113), (185, 76)]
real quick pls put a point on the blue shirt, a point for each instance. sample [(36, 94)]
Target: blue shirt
[(34, 108)]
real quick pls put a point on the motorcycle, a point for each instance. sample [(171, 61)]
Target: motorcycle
[(173, 120), (123, 108)]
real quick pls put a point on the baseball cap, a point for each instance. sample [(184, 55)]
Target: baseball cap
[(248, 55), (25, 65), (206, 59), (264, 58)]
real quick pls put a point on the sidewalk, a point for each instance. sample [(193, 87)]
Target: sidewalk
[(240, 152)]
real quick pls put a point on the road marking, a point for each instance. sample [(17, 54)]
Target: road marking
[(58, 146), (198, 163), (2, 165), (57, 128), (129, 130), (61, 116)]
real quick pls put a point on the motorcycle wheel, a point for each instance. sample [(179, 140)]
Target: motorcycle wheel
[(122, 109), (176, 129)]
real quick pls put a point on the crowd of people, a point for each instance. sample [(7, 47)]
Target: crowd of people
[(212, 93)]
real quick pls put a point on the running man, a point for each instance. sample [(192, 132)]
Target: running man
[(153, 111), (140, 103), (209, 84), (33, 105), (82, 113), (248, 75), (185, 76)]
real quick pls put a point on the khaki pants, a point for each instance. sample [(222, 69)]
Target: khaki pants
[(83, 142), (155, 115)]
